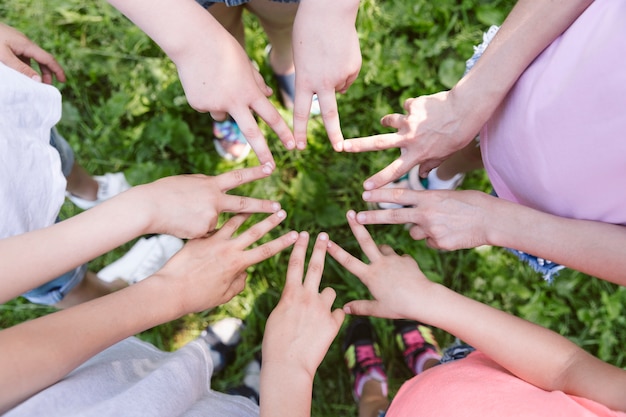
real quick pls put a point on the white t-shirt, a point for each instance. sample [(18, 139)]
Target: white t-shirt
[(133, 378), (32, 186)]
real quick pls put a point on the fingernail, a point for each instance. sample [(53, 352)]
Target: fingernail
[(282, 214), (293, 235), (290, 145), (347, 146), (304, 234), (301, 145), (275, 207), (368, 185), (268, 168), (36, 77), (360, 217), (351, 214), (322, 236), (367, 195), (338, 147)]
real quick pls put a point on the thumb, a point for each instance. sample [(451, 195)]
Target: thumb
[(360, 308), (20, 66)]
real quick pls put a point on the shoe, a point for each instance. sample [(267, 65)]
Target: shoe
[(287, 87), (222, 338), (229, 142), (417, 343), (109, 185), (250, 388), (146, 257), (362, 356)]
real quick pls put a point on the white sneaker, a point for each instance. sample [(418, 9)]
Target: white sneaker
[(142, 260), (109, 185)]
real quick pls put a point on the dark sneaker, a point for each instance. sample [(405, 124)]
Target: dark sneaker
[(417, 343), (362, 356)]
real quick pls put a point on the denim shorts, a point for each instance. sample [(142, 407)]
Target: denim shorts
[(54, 291), (231, 3), (65, 151)]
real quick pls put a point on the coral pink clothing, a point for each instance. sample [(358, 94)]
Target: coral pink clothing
[(558, 141), (477, 386)]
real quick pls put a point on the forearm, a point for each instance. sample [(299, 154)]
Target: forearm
[(532, 353), (285, 391), (594, 248), (530, 27), (37, 353), (33, 258)]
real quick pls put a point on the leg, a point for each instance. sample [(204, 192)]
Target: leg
[(81, 184), (373, 400), (461, 162), (89, 288), (230, 18)]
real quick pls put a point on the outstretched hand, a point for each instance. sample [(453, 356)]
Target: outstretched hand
[(208, 272), (302, 326), (188, 206), (17, 50), (434, 127), (327, 61), (448, 220), (399, 287)]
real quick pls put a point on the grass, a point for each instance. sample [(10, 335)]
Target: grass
[(124, 109)]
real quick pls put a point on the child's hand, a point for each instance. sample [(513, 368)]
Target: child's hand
[(16, 51), (434, 127), (210, 271), (448, 220), (399, 287), (327, 61), (302, 326), (188, 206)]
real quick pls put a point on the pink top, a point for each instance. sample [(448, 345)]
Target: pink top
[(558, 142), (477, 386)]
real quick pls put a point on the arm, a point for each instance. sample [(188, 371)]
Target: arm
[(207, 272), (326, 61), (532, 353), (186, 206), (16, 51), (298, 334), (453, 220), (435, 126), (215, 71)]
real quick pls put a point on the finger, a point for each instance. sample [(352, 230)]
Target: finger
[(22, 67), (392, 172), (387, 250), (394, 120), (391, 216), (362, 236), (338, 315), (250, 130), (316, 264), (330, 116), (257, 231), (269, 249), (417, 233), (402, 196), (234, 179), (361, 308), (236, 286), (345, 259), (295, 270), (218, 116), (232, 225), (301, 111), (373, 143), (238, 204), (275, 121), (328, 296)]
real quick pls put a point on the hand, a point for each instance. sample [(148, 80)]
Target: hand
[(434, 128), (301, 328), (208, 272), (396, 282), (326, 61), (16, 51), (218, 77), (448, 220), (188, 206)]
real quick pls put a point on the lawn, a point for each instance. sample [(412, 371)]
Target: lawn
[(124, 109)]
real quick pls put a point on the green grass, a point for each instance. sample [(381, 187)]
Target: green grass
[(124, 109)]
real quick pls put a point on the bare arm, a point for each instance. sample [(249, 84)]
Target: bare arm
[(437, 125), (453, 220), (207, 272), (186, 206), (532, 353)]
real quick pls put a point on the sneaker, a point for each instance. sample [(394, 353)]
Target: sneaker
[(362, 356), (417, 343), (250, 388), (222, 338), (229, 142), (146, 257), (109, 185)]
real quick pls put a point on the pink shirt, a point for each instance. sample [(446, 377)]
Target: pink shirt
[(477, 386), (558, 142)]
